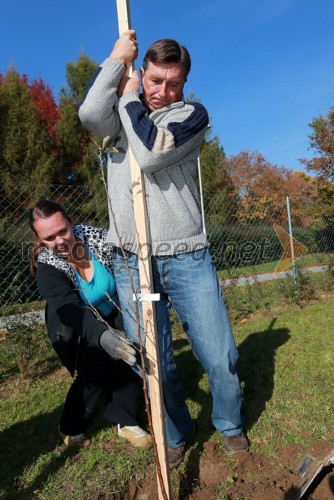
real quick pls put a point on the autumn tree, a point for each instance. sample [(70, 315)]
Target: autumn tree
[(306, 205), (261, 188), (46, 108), (26, 134), (256, 184), (322, 141)]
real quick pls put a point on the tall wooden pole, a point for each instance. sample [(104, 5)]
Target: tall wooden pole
[(146, 285)]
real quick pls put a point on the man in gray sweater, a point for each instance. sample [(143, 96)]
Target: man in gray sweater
[(165, 134)]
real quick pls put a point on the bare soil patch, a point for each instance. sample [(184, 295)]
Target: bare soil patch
[(243, 476)]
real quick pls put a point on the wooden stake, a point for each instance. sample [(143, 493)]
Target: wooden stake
[(146, 285)]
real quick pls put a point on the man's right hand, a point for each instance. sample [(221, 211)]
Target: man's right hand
[(126, 48), (118, 346)]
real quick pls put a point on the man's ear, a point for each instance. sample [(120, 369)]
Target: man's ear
[(142, 72)]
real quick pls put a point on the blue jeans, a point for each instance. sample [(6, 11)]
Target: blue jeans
[(190, 281)]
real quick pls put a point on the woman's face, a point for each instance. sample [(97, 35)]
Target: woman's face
[(56, 233)]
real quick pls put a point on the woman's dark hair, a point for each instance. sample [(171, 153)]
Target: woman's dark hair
[(166, 51), (42, 210)]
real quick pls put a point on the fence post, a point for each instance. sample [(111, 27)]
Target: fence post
[(201, 192), (294, 272)]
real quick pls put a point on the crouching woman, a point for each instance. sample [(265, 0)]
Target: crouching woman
[(73, 269)]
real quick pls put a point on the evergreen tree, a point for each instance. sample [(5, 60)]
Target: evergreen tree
[(25, 149), (73, 139), (214, 175)]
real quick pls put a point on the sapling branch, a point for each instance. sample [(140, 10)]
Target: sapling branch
[(102, 150)]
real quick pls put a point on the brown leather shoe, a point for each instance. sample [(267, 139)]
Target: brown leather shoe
[(175, 455), (236, 443)]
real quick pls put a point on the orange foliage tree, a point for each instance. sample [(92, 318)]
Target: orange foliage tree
[(322, 141), (261, 188)]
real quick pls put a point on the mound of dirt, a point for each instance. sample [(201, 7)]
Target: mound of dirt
[(243, 476)]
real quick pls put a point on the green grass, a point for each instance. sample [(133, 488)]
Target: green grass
[(37, 305), (269, 267), (285, 368), (244, 301), (286, 371)]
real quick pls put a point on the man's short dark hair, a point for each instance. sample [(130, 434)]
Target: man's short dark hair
[(168, 51)]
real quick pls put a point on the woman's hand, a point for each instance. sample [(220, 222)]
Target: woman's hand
[(118, 346)]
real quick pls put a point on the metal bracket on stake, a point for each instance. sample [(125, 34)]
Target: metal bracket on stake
[(146, 297)]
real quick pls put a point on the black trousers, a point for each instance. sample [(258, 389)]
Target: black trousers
[(97, 374)]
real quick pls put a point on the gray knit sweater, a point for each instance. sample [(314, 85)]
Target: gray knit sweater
[(166, 144)]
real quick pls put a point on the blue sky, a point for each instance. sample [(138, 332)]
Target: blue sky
[(263, 68)]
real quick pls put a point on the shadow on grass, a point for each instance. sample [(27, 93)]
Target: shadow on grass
[(36, 443), (256, 368), (21, 445), (25, 444)]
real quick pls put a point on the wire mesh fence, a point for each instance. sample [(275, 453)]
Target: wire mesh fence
[(16, 240), (240, 239)]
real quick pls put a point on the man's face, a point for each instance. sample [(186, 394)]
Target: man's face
[(162, 84)]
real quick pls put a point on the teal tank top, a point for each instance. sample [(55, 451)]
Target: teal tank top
[(93, 292)]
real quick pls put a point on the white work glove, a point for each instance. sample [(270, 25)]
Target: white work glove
[(118, 346)]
